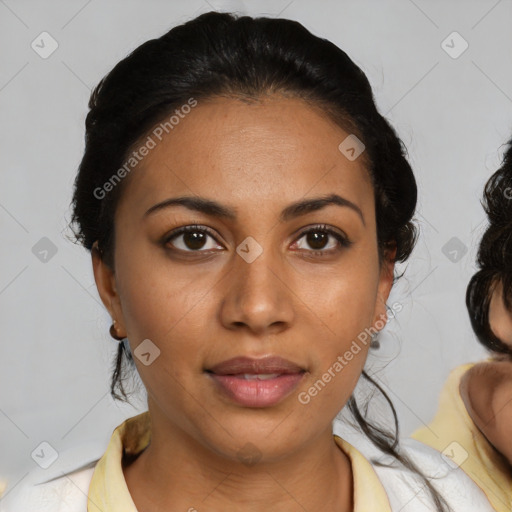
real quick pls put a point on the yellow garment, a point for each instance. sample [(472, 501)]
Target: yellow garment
[(484, 465), (108, 491)]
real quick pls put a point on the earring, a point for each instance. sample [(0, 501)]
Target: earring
[(375, 343), (113, 332)]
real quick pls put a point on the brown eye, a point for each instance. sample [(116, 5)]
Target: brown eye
[(317, 238), (191, 239), (194, 240)]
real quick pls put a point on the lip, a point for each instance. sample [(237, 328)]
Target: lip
[(268, 364), (230, 381)]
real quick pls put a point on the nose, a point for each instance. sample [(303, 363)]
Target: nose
[(258, 295)]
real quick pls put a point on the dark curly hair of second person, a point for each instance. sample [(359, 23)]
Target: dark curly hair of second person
[(494, 258)]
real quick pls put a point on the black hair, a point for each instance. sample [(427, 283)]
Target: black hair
[(224, 55), (494, 259)]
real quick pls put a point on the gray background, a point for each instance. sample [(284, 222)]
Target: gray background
[(453, 114)]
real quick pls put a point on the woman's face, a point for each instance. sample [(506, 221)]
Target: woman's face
[(247, 282)]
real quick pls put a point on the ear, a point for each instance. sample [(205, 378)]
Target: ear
[(384, 288), (106, 285)]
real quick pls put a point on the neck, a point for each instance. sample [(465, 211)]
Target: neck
[(175, 472)]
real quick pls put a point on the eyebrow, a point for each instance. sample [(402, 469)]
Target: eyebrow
[(214, 209)]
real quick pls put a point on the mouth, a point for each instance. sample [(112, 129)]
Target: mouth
[(268, 365), (252, 382), (258, 376)]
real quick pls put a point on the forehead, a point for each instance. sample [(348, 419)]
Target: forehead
[(274, 150)]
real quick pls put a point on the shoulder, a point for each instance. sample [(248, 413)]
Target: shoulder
[(407, 491), (67, 493), (63, 487)]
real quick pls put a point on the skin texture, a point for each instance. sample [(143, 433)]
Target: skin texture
[(201, 309), (486, 388), (500, 319)]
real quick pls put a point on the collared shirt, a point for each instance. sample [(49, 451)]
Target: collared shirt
[(453, 427), (98, 485)]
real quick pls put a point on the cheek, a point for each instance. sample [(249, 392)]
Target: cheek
[(168, 308), (164, 303), (344, 307), (338, 360), (344, 297)]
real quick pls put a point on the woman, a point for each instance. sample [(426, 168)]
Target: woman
[(475, 407), (244, 204)]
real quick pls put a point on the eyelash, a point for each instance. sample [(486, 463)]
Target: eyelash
[(342, 239)]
